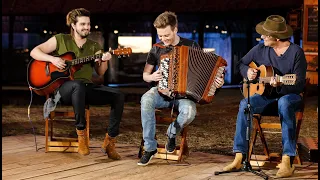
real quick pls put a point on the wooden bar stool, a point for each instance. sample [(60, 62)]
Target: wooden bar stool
[(63, 144), (163, 117)]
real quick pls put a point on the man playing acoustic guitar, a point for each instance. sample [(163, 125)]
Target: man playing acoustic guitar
[(285, 58), (81, 90)]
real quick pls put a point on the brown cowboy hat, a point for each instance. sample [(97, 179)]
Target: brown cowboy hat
[(275, 26)]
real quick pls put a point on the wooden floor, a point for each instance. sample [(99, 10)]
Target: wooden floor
[(20, 160)]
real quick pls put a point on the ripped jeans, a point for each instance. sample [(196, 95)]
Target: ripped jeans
[(152, 100)]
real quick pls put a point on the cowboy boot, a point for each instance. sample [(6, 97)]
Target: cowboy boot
[(236, 164), (109, 148), (286, 170), (83, 147)]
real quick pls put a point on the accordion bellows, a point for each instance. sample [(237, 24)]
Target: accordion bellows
[(190, 73)]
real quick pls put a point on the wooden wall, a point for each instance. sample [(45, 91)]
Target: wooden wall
[(310, 38)]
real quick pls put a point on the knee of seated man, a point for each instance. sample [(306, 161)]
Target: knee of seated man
[(147, 101), (189, 112), (283, 104), (243, 104), (78, 85)]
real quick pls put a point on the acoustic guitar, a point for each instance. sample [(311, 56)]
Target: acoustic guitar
[(262, 85), (44, 77)]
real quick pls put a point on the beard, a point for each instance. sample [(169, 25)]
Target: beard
[(83, 34)]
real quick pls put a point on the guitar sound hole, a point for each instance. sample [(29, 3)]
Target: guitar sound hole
[(258, 88)]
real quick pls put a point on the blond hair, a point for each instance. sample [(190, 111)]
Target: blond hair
[(165, 19), (71, 17)]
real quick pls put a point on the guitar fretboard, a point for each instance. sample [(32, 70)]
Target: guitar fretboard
[(287, 79), (86, 59)]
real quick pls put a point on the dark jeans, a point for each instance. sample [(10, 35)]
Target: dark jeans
[(77, 94)]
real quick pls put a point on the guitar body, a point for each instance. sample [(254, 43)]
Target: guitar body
[(259, 88), (43, 77)]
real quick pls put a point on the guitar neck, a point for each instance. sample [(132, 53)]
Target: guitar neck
[(288, 79), (265, 79), (86, 59)]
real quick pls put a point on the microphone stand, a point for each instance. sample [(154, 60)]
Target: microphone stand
[(246, 163)]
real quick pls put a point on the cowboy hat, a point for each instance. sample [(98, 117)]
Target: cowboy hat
[(275, 26)]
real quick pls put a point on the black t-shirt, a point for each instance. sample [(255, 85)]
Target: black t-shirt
[(156, 51)]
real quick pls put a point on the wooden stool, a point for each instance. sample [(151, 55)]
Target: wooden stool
[(63, 144), (163, 117)]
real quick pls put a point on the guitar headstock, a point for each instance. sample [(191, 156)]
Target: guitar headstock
[(288, 79), (122, 51)]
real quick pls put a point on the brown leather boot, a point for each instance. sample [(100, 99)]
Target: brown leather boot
[(83, 148), (109, 148)]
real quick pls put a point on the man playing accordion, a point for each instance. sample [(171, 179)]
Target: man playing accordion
[(167, 28)]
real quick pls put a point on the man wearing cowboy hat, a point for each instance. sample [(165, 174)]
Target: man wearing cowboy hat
[(285, 58)]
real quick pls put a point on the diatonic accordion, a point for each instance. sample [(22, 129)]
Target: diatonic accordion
[(190, 73)]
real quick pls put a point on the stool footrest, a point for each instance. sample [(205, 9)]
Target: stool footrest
[(63, 143), (166, 156), (63, 149)]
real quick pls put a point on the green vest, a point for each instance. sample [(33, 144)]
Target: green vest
[(66, 43)]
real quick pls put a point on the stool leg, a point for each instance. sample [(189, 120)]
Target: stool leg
[(141, 148), (88, 124), (254, 136), (182, 144), (46, 133)]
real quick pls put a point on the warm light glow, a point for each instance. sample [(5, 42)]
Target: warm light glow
[(194, 31), (138, 44), (224, 32), (45, 31), (216, 27), (116, 31), (25, 29), (207, 26), (258, 39), (96, 26)]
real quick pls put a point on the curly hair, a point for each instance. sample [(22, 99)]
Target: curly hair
[(71, 17), (165, 19)]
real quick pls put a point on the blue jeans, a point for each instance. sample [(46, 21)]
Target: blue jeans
[(287, 106), (152, 100)]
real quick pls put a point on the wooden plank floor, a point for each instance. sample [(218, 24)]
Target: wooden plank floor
[(20, 160)]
